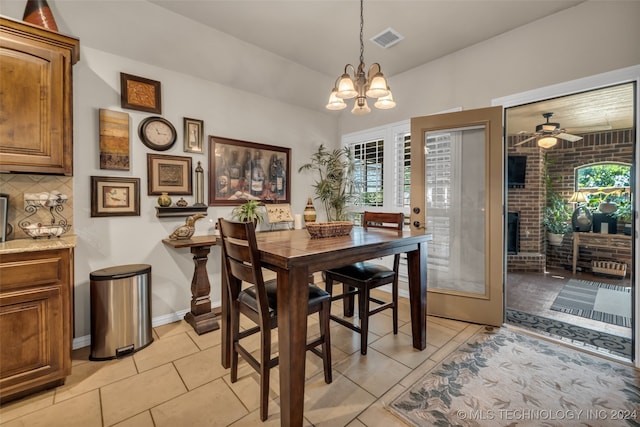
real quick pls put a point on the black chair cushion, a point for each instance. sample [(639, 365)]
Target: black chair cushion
[(364, 271), (248, 296)]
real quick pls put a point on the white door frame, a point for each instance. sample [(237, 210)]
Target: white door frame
[(624, 75)]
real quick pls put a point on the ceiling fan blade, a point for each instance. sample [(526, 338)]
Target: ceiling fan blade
[(568, 137), (589, 129), (525, 140)]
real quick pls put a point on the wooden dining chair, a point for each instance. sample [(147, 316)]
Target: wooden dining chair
[(360, 278), (259, 303)]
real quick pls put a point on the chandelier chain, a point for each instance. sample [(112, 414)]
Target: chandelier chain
[(361, 32)]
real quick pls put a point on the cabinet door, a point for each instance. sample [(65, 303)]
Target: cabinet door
[(35, 321), (35, 112), (31, 333)]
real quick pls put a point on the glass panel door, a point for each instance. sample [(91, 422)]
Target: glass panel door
[(457, 195)]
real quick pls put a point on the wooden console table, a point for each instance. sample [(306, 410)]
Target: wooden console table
[(597, 240), (201, 317)]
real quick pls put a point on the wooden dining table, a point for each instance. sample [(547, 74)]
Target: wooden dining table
[(293, 255)]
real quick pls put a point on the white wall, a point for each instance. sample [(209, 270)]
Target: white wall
[(591, 38), (104, 242)]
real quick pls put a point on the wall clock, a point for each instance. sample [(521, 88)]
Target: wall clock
[(157, 133)]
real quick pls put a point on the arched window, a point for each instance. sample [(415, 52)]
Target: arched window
[(605, 182)]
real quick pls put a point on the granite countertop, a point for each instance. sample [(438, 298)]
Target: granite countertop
[(33, 245)]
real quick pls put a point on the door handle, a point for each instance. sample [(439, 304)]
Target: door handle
[(417, 225)]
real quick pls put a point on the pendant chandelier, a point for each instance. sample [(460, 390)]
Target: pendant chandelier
[(360, 85)]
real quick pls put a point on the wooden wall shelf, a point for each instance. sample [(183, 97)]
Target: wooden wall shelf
[(180, 211)]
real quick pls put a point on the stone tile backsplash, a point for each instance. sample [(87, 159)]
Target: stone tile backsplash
[(16, 185)]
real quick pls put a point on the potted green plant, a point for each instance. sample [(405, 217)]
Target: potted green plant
[(624, 214), (248, 211), (556, 219), (334, 186), (557, 213)]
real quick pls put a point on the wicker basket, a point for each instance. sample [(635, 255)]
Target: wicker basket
[(329, 229), (609, 268)]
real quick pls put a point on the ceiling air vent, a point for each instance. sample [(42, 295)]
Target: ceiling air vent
[(387, 38)]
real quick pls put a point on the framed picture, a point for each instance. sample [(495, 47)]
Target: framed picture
[(193, 136), (115, 196), (114, 140), (168, 174), (241, 170), (139, 93)]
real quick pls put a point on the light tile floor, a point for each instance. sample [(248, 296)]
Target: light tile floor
[(178, 381)]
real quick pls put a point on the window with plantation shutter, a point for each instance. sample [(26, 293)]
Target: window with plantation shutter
[(369, 172), (383, 168), (402, 173)]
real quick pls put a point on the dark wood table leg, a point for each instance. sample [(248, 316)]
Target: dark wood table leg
[(292, 338), (417, 266), (201, 317), (225, 317)]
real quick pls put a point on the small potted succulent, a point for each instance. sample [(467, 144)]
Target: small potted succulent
[(248, 211)]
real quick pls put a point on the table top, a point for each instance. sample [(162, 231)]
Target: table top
[(207, 240), (290, 248), (603, 235), (287, 248)]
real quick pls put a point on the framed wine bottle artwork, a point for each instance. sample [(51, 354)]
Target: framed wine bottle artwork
[(241, 171)]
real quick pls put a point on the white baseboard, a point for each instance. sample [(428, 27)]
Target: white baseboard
[(85, 340)]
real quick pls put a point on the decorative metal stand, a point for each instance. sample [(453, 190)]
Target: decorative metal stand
[(58, 223)]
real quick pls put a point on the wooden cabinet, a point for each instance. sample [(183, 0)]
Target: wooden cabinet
[(35, 320), (36, 114)]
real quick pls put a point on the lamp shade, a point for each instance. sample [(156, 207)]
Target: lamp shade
[(578, 197), (547, 142), (386, 102), (335, 103), (346, 88), (378, 87), (361, 108)]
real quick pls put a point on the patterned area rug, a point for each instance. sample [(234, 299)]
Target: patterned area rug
[(503, 378), (615, 344), (594, 300)]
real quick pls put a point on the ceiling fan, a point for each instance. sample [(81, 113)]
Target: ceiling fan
[(547, 132)]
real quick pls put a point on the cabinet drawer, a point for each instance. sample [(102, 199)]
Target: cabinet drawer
[(18, 274)]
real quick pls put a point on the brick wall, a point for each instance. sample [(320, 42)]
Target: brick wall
[(614, 146)]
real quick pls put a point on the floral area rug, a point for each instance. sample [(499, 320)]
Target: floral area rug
[(503, 378)]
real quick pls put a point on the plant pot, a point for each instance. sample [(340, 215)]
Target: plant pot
[(555, 239), (627, 229)]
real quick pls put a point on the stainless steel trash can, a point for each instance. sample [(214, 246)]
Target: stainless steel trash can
[(120, 310)]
